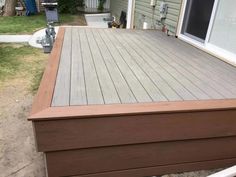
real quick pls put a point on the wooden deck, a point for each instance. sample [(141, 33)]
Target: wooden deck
[(103, 66), (133, 103)]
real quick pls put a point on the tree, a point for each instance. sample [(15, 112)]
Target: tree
[(100, 5), (9, 8)]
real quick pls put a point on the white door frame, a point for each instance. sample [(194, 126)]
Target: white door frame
[(206, 46), (130, 14)]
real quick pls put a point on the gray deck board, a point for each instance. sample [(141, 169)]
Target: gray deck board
[(124, 92), (211, 79), (184, 72), (196, 59), (94, 93), (105, 66), (160, 67), (135, 85), (78, 94), (145, 81), (169, 93), (62, 88), (108, 89)]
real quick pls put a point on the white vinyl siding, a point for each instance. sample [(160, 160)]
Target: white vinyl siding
[(117, 6)]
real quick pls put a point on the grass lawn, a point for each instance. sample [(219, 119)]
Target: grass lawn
[(20, 62), (28, 24)]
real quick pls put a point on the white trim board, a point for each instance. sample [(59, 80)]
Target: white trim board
[(130, 14), (229, 172)]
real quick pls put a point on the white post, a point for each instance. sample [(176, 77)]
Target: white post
[(130, 14)]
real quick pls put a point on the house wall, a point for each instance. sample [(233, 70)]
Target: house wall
[(117, 6), (95, 3), (144, 12)]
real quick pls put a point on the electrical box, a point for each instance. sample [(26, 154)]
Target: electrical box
[(163, 9), (153, 3)]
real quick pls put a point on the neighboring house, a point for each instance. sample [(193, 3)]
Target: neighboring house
[(209, 25)]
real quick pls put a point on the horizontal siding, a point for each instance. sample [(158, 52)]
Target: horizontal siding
[(144, 12), (117, 6)]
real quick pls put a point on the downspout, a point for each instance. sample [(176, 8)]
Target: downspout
[(130, 14)]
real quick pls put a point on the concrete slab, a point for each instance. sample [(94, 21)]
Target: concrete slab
[(96, 20), (14, 38)]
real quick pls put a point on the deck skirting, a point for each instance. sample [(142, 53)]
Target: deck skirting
[(191, 126)]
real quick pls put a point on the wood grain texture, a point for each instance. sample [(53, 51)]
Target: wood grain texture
[(132, 109), (105, 159), (120, 130), (162, 170), (45, 93), (78, 95)]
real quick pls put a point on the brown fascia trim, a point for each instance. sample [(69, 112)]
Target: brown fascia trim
[(52, 113), (44, 95)]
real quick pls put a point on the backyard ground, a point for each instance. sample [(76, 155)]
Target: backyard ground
[(20, 71), (30, 24)]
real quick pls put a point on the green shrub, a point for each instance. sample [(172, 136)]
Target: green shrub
[(100, 5), (69, 6)]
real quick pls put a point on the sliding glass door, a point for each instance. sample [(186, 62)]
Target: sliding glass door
[(197, 18), (223, 32), (211, 25)]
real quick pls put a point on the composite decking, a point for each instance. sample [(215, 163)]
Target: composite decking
[(133, 103), (103, 66)]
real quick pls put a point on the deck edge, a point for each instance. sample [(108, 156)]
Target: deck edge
[(69, 112), (44, 95)]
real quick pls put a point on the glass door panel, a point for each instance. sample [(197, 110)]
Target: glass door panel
[(223, 34), (197, 18)]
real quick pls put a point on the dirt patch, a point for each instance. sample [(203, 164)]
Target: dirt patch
[(18, 156)]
